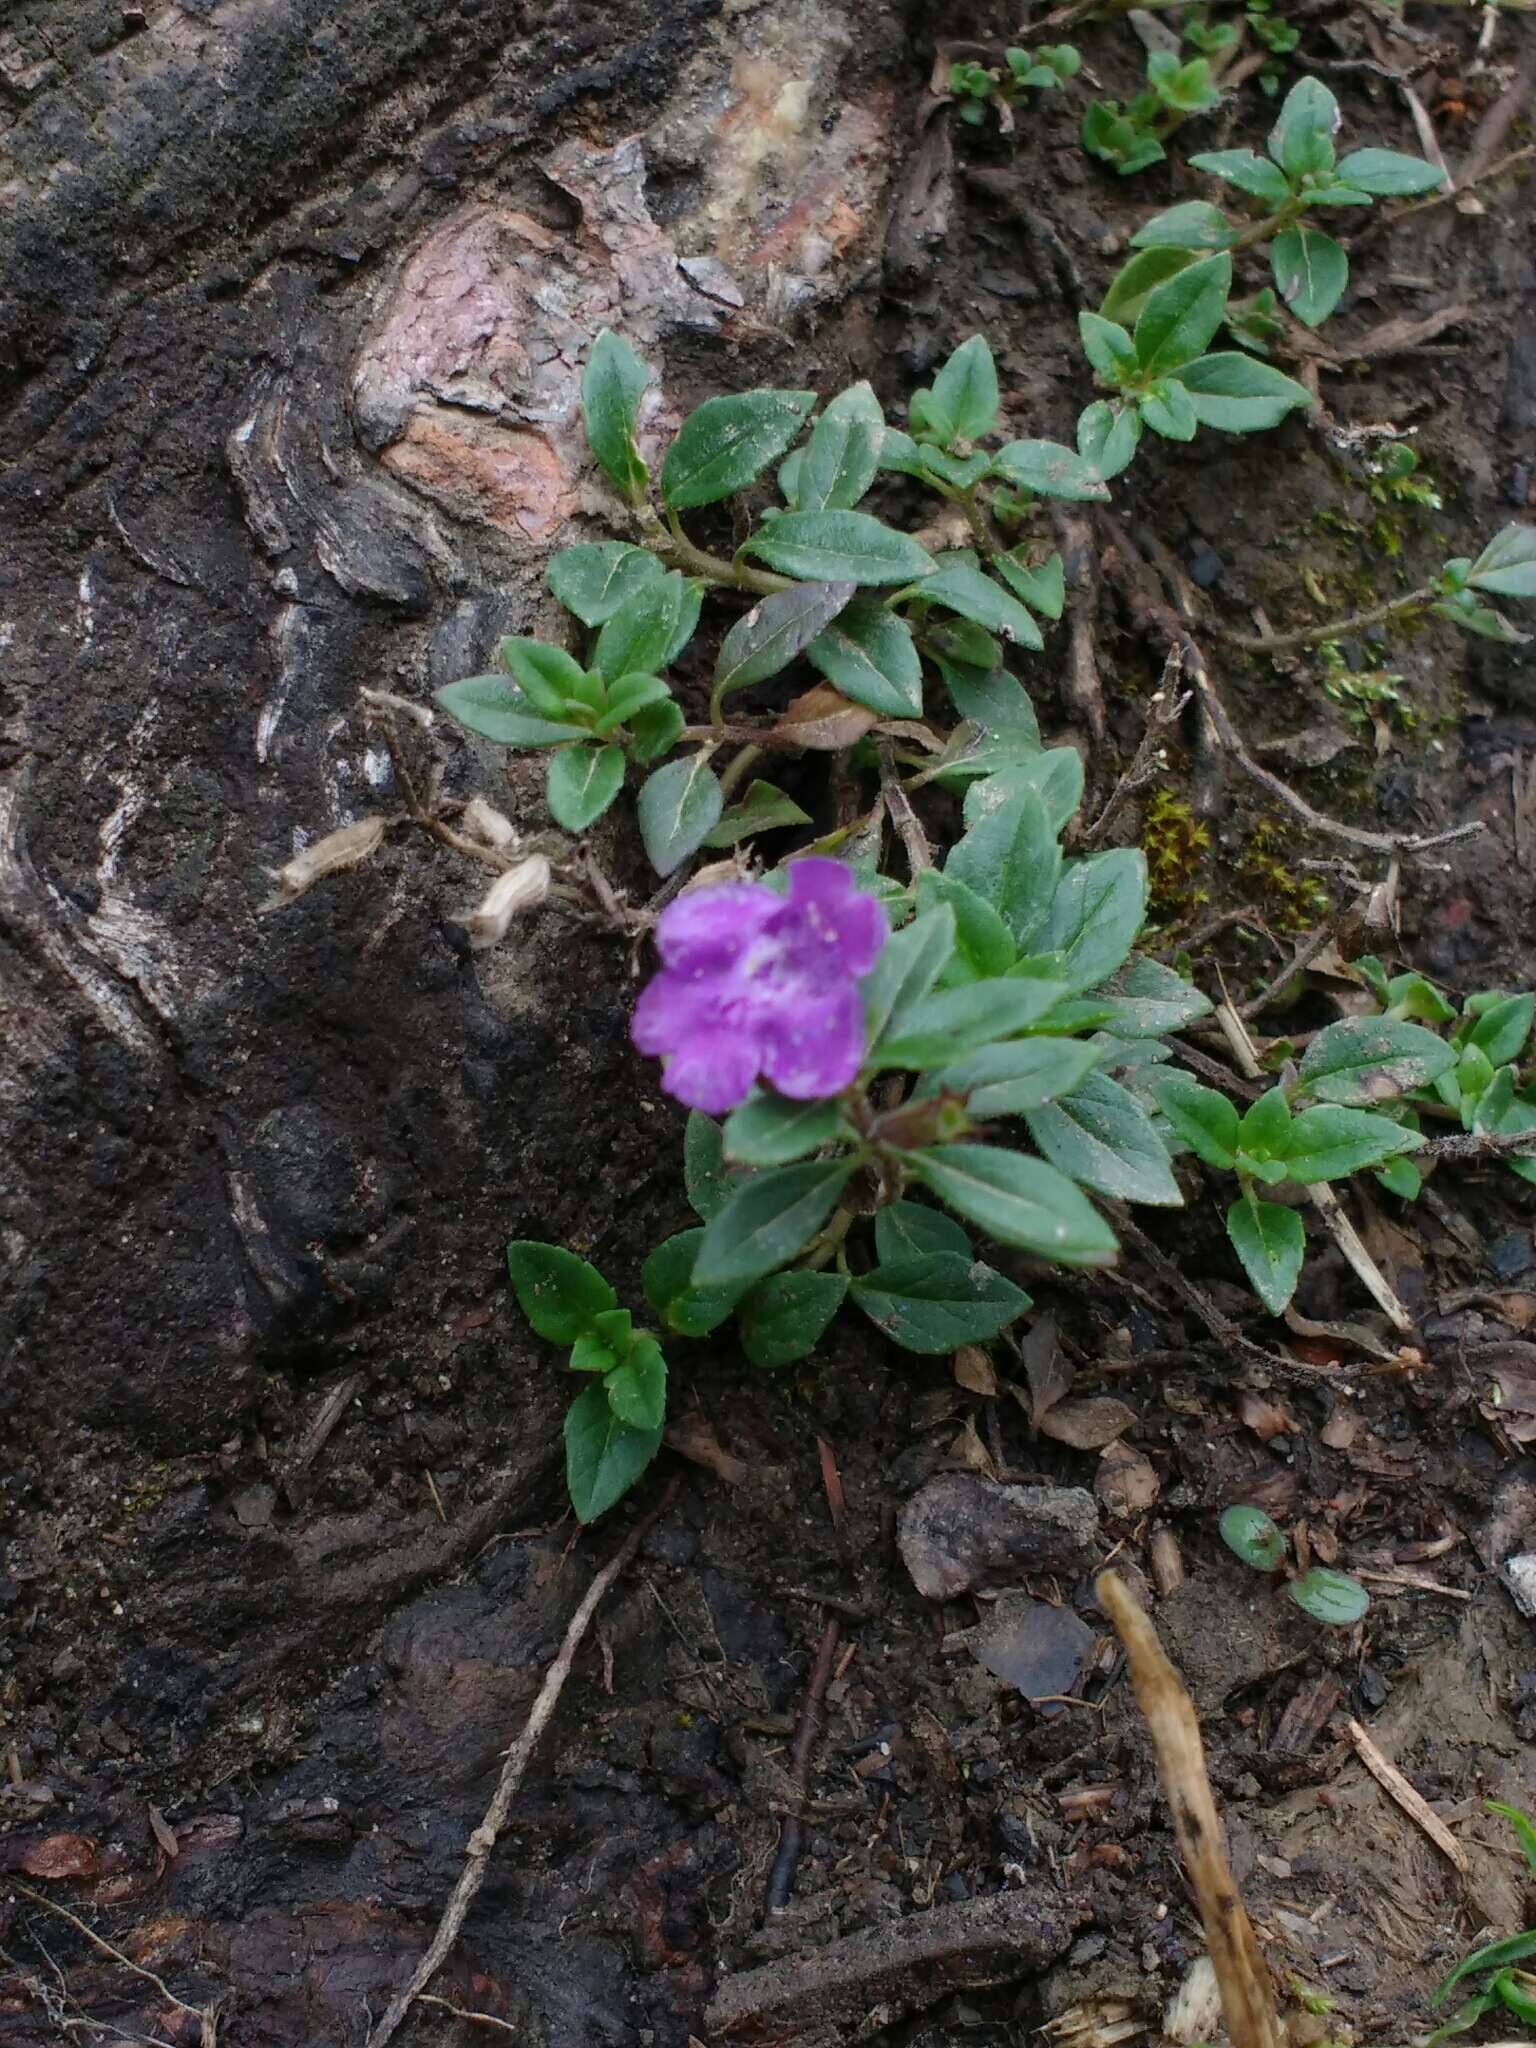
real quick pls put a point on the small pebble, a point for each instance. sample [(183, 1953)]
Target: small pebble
[(1206, 568)]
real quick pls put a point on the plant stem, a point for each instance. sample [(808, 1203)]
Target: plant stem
[(829, 1243), (1263, 230), (734, 775), (1309, 636), (979, 521), (674, 547)]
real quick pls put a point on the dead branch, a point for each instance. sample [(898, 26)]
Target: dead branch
[(781, 1877), (1247, 1997), (1164, 709), (206, 2016)]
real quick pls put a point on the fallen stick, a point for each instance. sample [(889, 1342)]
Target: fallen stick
[(1396, 1786), (781, 1877), (207, 2017), (477, 1850), (1247, 1998)]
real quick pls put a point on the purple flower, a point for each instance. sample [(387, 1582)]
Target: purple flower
[(754, 983)]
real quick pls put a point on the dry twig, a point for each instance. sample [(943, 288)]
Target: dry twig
[(1392, 1782), (206, 2016), (1247, 1997), (781, 1877), (1165, 707)]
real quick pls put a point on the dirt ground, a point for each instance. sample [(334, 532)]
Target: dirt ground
[(285, 1550)]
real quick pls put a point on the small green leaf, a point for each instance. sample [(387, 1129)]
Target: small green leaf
[(1096, 913), (637, 1386), (595, 579), (839, 547), (667, 1278), (1049, 470), (706, 1177), (1102, 1137), (785, 1317), (909, 965), (762, 809), (997, 702), (1265, 1125), (637, 639), (1329, 1143), (1402, 1178), (547, 676), (766, 1220), (1248, 172), (1168, 410), (956, 587), (1011, 858), (1271, 1243), (1372, 1059), (1135, 282), (983, 943), (869, 656), (1194, 225), (1503, 1027), (1329, 1596), (1514, 1948), (1249, 1534), (936, 1301), (655, 729), (558, 1293), (842, 457), (1507, 566), (931, 1032), (1109, 349), (1241, 396), (581, 783), (1301, 140), (1525, 1829), (1310, 271), (488, 705), (1180, 317), (612, 385), (963, 404), (1017, 1201), (603, 1456), (725, 443), (1202, 1117), (1108, 435), (1386, 174), (908, 1230), (677, 809), (776, 629), (1006, 1080), (770, 1130), (1043, 589), (629, 695)]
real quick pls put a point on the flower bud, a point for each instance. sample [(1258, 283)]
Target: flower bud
[(482, 821), (521, 888), (328, 856)]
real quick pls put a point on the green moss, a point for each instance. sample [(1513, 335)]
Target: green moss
[(1291, 899), (1175, 844)]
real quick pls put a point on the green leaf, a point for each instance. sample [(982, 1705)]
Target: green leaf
[(1310, 271), (932, 1031), (1503, 1028), (1169, 411), (869, 656), (1097, 911), (603, 1456), (1329, 1596), (1006, 1080), (839, 547), (1271, 1242), (637, 639), (1109, 349), (1249, 1534), (1135, 282), (488, 705), (770, 1130), (762, 809), (960, 472), (1012, 860), (547, 676), (655, 729), (581, 783), (1194, 225), (667, 1278), (1239, 395), (1301, 140), (1108, 436), (706, 1177), (1202, 1117), (612, 385), (1525, 1830), (1147, 999), (936, 1301), (1329, 1143), (1386, 174), (726, 442), (785, 1317), (637, 1386), (1402, 1178), (909, 1230), (1488, 624), (909, 965), (963, 403), (678, 808), (1507, 566), (767, 638), (983, 943), (1180, 317), (1043, 589), (1248, 172), (958, 588), (1514, 1948), (766, 1220), (842, 457), (1102, 1137), (1371, 1059), (1017, 1201), (558, 1293), (1049, 470), (997, 702), (1264, 1128), (626, 697), (595, 579)]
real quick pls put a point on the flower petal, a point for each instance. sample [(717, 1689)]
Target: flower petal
[(830, 903), (670, 1008), (814, 1049), (713, 1071), (710, 928)]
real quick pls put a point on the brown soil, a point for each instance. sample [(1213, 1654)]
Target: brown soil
[(251, 1164)]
